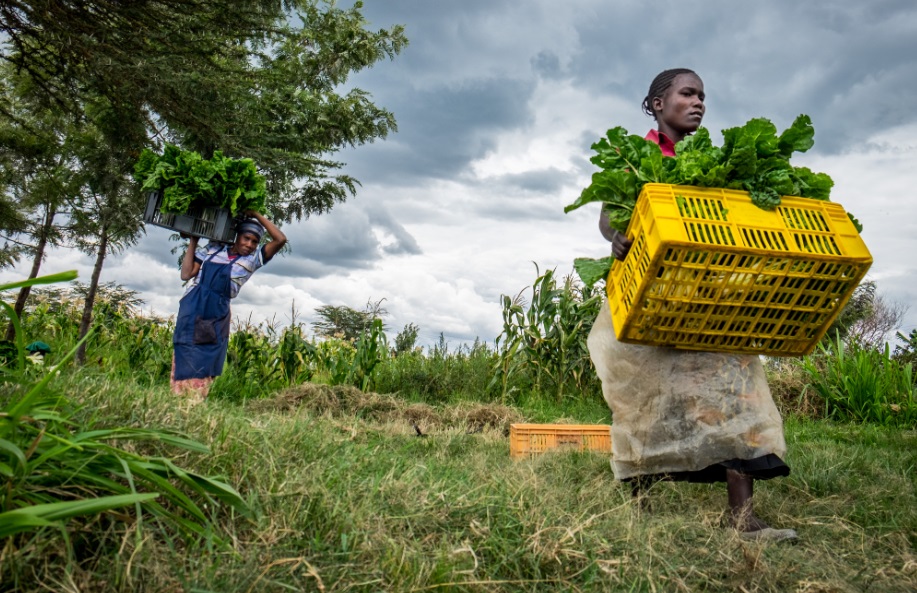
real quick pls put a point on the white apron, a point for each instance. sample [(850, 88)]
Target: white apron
[(682, 411)]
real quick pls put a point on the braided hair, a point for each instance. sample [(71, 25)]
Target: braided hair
[(660, 85)]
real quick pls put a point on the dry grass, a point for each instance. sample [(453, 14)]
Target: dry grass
[(346, 401), (790, 387)]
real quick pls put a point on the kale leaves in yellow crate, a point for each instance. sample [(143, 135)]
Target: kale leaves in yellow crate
[(186, 179), (753, 158)]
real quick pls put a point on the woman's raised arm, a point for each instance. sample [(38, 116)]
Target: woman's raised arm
[(190, 266), (278, 239)]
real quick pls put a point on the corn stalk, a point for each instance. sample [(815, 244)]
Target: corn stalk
[(547, 339)]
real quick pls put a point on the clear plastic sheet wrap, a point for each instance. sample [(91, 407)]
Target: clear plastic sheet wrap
[(679, 411)]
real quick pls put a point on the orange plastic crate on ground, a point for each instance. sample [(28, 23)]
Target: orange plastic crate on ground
[(531, 439), (709, 270)]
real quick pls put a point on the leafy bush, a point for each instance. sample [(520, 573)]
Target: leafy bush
[(863, 384)]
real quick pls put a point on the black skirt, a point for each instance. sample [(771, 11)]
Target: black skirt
[(760, 468)]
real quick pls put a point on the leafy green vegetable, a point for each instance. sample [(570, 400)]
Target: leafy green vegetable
[(753, 158), (856, 223), (186, 179), (590, 270)]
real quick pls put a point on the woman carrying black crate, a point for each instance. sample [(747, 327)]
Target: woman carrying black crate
[(682, 415), (215, 274)]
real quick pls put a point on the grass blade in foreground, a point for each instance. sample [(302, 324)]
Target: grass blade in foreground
[(52, 469), (47, 515)]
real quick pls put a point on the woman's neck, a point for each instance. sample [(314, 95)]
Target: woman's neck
[(674, 136)]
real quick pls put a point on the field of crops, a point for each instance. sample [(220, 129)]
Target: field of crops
[(331, 465)]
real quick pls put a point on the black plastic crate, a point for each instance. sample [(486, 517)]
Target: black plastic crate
[(216, 224)]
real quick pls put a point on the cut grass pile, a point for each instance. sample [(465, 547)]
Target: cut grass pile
[(350, 498), (345, 401)]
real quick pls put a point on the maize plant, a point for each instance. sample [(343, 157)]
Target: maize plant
[(296, 356), (547, 339), (251, 357), (335, 357), (371, 349)]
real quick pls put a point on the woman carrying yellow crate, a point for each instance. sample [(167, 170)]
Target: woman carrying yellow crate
[(682, 415)]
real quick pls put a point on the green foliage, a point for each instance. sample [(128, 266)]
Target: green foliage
[(406, 339), (547, 340), (251, 368), (262, 360), (345, 323), (38, 172), (296, 356), (753, 158), (19, 335), (906, 352), (371, 349), (189, 181), (53, 469), (263, 79), (591, 270), (126, 342), (69, 174), (540, 358), (336, 360), (89, 83), (863, 384), (441, 374)]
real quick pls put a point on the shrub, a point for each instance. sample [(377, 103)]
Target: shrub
[(440, 375), (863, 384)]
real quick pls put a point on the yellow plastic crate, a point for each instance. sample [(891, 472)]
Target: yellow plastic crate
[(531, 439), (709, 270)]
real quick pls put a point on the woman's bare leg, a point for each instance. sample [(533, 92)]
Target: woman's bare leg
[(740, 489)]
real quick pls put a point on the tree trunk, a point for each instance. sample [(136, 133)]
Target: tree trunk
[(43, 235), (91, 295)]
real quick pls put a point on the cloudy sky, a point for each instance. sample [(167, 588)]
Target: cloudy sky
[(497, 105)]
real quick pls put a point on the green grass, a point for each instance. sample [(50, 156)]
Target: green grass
[(350, 499)]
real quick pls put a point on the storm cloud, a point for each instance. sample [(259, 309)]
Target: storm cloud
[(497, 105)]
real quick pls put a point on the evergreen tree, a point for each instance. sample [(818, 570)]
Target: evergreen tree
[(105, 215), (36, 173)]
